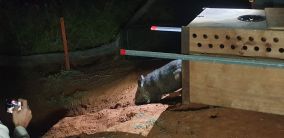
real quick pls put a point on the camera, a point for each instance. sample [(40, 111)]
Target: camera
[(12, 104)]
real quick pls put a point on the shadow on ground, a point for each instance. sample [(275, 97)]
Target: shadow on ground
[(109, 134), (219, 123)]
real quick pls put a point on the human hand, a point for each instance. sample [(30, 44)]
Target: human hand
[(24, 116)]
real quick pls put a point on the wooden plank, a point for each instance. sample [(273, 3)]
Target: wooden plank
[(185, 66), (275, 18), (240, 42), (236, 86), (65, 46)]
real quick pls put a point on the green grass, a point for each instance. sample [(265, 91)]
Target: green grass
[(33, 27)]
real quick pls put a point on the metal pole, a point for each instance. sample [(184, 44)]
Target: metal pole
[(166, 29), (206, 58)]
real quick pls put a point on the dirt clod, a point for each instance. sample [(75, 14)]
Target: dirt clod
[(115, 106), (213, 116)]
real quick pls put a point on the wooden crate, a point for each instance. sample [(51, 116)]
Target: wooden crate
[(219, 32)]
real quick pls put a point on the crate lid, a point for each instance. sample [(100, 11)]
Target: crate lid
[(275, 18), (228, 18)]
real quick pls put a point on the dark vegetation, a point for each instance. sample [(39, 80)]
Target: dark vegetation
[(32, 26)]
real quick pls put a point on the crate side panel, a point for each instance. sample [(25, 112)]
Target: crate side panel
[(239, 42), (243, 87)]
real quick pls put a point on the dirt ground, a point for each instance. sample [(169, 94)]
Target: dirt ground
[(98, 101), (108, 110)]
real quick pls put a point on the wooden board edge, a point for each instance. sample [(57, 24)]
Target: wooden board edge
[(185, 65)]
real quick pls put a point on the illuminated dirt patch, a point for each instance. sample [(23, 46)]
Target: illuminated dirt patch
[(132, 119)]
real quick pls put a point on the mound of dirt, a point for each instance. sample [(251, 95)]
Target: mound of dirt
[(131, 119), (113, 114)]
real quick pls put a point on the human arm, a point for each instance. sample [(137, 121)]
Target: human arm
[(21, 120)]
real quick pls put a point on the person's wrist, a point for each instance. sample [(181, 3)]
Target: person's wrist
[(19, 124), (16, 124)]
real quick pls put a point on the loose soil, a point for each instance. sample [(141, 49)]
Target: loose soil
[(110, 111), (98, 101)]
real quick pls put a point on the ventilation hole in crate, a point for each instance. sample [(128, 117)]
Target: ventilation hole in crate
[(216, 36), (275, 39), (281, 50), (194, 35), (210, 45), (244, 48), (256, 48), (205, 36), (268, 49), (199, 44), (239, 38), (251, 38), (228, 37), (233, 47), (263, 39), (222, 46)]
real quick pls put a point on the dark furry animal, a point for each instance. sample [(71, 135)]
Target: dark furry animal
[(164, 80)]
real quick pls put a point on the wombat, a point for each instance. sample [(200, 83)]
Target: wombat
[(164, 80)]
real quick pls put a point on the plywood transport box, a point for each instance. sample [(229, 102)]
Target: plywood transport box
[(219, 32)]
